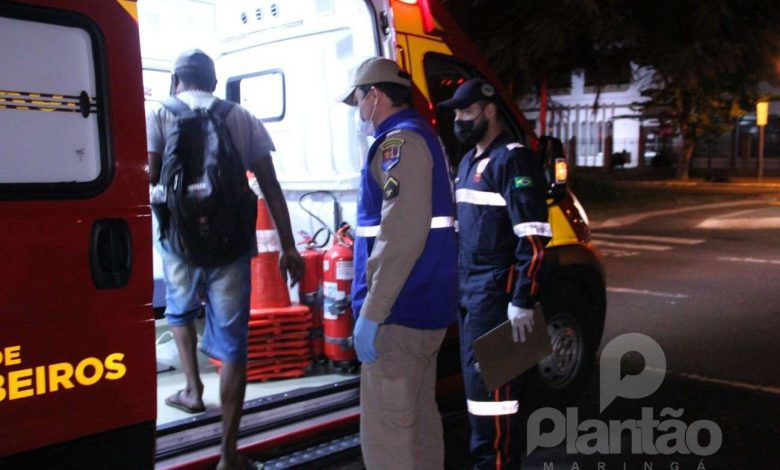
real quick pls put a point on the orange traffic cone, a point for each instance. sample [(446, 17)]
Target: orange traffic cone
[(268, 288), (271, 313)]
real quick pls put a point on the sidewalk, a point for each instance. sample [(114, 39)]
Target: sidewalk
[(665, 178), (627, 193), (772, 183)]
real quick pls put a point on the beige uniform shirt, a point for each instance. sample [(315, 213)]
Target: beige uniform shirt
[(406, 221)]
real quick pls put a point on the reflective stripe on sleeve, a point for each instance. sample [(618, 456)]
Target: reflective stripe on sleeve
[(533, 228), (479, 198), (373, 230), (492, 408)]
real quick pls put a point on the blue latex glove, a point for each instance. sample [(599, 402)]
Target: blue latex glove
[(363, 338)]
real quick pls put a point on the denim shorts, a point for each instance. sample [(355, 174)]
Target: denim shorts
[(225, 291)]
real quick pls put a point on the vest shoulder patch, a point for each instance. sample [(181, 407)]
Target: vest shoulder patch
[(514, 145), (391, 152)]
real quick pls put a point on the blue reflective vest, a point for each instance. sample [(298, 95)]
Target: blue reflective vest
[(429, 298)]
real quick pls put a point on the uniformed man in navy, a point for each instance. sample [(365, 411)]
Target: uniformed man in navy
[(404, 292), (502, 220)]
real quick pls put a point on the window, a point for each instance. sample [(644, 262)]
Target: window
[(444, 74), (261, 93), (157, 84), (51, 104)]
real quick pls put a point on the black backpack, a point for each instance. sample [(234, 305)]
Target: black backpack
[(209, 212)]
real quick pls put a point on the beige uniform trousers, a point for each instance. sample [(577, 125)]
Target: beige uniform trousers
[(400, 425)]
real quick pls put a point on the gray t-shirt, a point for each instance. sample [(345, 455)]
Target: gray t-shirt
[(247, 132)]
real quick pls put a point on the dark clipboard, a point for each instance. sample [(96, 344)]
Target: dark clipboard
[(501, 359)]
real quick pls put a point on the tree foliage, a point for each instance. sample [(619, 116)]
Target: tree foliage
[(702, 60), (706, 59)]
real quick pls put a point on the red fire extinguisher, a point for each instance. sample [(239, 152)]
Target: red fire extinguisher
[(310, 292), (338, 271)]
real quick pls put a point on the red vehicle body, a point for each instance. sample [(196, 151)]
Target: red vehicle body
[(76, 328)]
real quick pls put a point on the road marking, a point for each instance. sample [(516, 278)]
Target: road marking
[(737, 213), (633, 246), (752, 223), (618, 253), (648, 238), (731, 383), (632, 219), (749, 260), (626, 290)]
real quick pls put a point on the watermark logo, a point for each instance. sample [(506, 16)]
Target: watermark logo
[(667, 434)]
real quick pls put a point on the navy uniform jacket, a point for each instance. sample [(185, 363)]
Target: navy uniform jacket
[(502, 220)]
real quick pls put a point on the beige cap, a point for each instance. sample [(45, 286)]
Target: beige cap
[(372, 71)]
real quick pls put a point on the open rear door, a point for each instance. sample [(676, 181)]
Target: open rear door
[(77, 379)]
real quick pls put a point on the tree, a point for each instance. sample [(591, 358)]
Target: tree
[(704, 61), (530, 42)]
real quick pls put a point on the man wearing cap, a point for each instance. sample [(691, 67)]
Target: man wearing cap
[(404, 294), (226, 287), (502, 220)]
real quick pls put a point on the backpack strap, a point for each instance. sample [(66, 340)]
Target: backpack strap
[(221, 108), (175, 105)]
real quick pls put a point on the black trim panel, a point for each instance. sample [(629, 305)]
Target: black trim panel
[(130, 448)]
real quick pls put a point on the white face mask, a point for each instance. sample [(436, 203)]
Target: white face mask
[(366, 128)]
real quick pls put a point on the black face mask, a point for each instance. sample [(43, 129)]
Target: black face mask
[(469, 132)]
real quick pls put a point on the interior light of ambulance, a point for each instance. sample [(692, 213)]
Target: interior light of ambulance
[(561, 171)]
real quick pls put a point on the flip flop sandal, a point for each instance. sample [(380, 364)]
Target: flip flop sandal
[(174, 401)]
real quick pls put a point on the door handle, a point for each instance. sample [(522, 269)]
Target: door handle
[(111, 255)]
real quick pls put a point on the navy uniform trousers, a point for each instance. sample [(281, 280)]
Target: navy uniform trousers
[(497, 430)]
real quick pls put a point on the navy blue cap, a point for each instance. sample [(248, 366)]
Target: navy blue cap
[(471, 91)]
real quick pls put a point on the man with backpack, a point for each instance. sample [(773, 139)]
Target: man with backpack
[(199, 150)]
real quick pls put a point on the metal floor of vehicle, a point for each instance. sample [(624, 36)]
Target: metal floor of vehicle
[(171, 380)]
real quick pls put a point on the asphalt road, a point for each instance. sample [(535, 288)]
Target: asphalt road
[(704, 284)]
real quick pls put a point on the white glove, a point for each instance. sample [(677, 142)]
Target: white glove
[(521, 319)]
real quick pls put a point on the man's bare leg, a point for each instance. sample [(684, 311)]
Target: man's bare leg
[(232, 385), (186, 338)]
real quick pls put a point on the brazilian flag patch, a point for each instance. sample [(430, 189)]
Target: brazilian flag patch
[(523, 182)]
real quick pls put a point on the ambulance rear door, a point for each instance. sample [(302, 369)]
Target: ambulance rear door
[(77, 368)]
